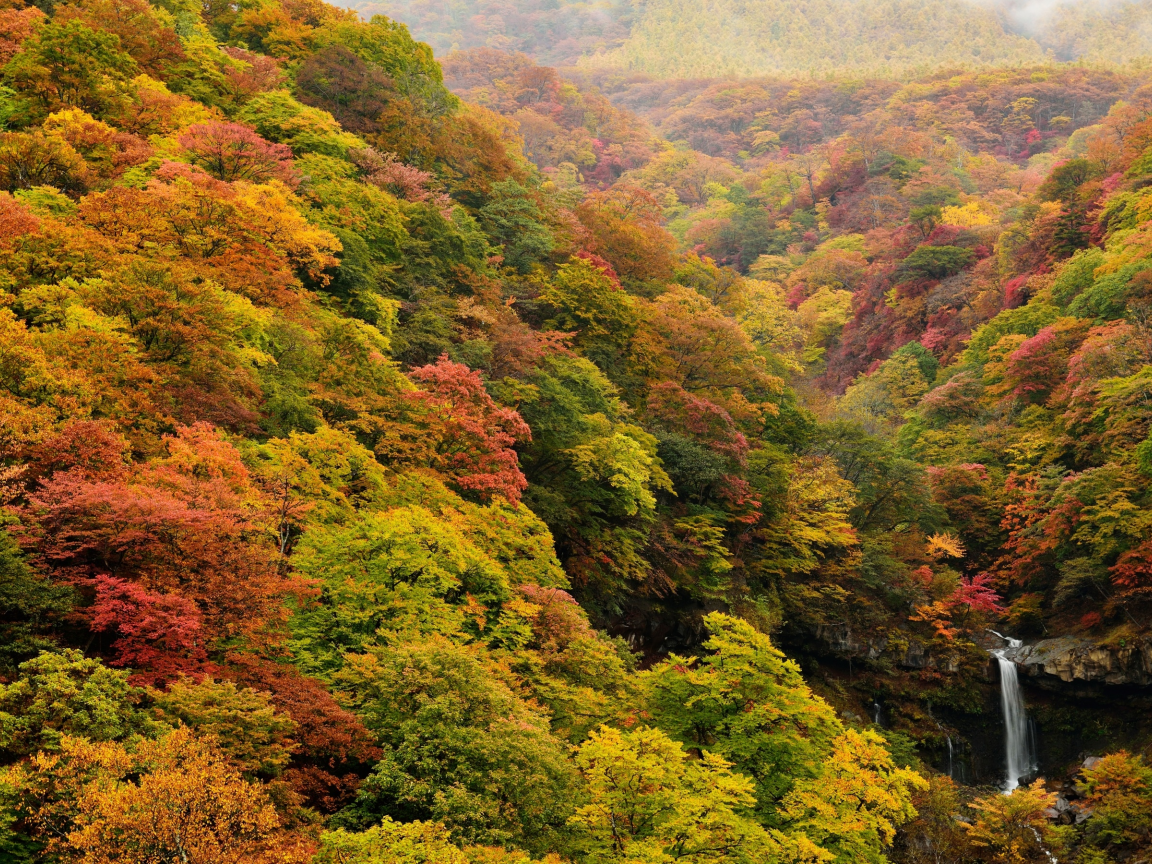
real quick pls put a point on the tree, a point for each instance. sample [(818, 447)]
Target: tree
[(403, 571), (935, 262), (244, 723), (65, 693), (34, 159), (1013, 829), (278, 117), (649, 802), (390, 843), (172, 799), (625, 226), (856, 802), (29, 607), (353, 91), (454, 427), (513, 218), (935, 835), (460, 747), (586, 302), (69, 65), (143, 35), (746, 702), (182, 525), (1120, 794), (229, 151), (159, 633)]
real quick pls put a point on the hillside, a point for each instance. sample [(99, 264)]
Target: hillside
[(406, 462), (721, 38), (555, 32)]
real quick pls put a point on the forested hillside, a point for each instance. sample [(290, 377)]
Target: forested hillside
[(718, 38), (426, 464)]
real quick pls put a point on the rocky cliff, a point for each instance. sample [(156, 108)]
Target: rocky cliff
[(1073, 660)]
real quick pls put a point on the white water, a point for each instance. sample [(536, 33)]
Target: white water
[(1018, 748)]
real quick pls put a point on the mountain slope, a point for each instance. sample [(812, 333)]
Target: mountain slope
[(678, 38), (682, 39)]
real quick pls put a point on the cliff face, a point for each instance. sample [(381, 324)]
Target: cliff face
[(1048, 662), (1073, 660)]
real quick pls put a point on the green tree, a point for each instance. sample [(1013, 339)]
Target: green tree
[(648, 802), (390, 843), (512, 217), (460, 747), (244, 723), (29, 605), (67, 693), (745, 701), (585, 301), (403, 572), (69, 65)]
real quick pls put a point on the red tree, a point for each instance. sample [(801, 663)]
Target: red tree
[(158, 633), (187, 524), (229, 151), (454, 427)]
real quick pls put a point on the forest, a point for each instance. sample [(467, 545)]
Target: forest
[(803, 38), (463, 461)]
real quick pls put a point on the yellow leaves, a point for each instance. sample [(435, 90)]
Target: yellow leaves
[(621, 461), (155, 110), (970, 215), (1013, 827), (824, 315), (765, 317), (856, 803), (173, 799), (391, 843), (945, 545), (819, 500), (649, 803), (272, 212)]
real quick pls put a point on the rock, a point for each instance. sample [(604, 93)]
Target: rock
[(840, 640), (1090, 763), (1072, 659), (1083, 814)]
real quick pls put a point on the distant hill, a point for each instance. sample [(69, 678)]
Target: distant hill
[(709, 38), (719, 38), (553, 32)]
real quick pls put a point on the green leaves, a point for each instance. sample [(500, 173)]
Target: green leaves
[(460, 747), (649, 803), (67, 694), (745, 701)]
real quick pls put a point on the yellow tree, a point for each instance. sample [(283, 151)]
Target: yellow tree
[(648, 802), (1012, 829), (175, 799), (854, 805)]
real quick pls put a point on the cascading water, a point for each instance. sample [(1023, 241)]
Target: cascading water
[(1018, 742)]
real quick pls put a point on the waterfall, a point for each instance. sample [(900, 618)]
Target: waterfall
[(1018, 742), (950, 777), (876, 713)]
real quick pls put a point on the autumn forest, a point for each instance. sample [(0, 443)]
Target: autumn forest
[(565, 450)]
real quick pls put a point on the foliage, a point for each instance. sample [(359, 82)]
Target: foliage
[(648, 802), (170, 798)]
